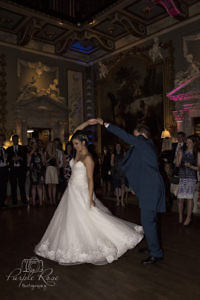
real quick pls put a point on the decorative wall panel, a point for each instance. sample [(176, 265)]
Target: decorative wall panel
[(75, 99)]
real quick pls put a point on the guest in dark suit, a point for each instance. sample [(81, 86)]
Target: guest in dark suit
[(3, 172), (141, 169), (17, 159)]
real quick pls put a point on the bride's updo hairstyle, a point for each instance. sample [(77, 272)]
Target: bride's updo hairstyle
[(81, 136)]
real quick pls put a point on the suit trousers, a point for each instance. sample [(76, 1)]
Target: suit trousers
[(18, 176), (3, 184), (149, 223)]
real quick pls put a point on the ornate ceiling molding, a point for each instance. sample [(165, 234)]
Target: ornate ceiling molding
[(25, 34), (124, 20), (134, 28)]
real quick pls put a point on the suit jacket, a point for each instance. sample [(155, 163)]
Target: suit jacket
[(22, 152), (141, 169)]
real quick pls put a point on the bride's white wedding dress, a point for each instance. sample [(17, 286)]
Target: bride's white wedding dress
[(79, 233)]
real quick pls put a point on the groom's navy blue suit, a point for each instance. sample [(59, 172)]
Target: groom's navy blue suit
[(141, 169)]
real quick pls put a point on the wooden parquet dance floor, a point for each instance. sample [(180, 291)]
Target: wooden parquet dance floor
[(176, 277)]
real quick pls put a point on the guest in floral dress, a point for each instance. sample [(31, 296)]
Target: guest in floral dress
[(188, 162)]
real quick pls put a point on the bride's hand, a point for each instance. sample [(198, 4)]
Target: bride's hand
[(99, 121), (85, 124), (92, 121), (92, 203)]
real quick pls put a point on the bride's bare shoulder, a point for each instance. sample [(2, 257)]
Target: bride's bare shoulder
[(88, 159)]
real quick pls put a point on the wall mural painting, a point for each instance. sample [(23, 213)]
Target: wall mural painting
[(39, 103), (37, 80), (132, 89), (135, 96)]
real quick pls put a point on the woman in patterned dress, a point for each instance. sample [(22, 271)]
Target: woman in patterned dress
[(188, 162)]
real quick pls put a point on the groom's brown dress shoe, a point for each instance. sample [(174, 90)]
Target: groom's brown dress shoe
[(150, 260)]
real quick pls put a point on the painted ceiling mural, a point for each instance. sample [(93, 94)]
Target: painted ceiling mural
[(84, 26)]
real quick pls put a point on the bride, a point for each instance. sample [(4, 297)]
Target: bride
[(82, 229)]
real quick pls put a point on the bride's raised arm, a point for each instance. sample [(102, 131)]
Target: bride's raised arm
[(85, 124)]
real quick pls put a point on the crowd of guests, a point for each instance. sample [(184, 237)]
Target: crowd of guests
[(42, 173), (38, 172), (112, 176), (179, 165)]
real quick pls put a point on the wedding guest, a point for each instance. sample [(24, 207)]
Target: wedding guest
[(36, 163), (179, 145), (3, 172), (28, 179), (174, 181), (17, 159), (41, 147), (188, 161), (106, 171), (111, 149), (66, 169), (51, 176), (118, 174), (58, 146)]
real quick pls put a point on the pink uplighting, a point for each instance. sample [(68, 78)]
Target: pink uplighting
[(169, 5), (184, 96), (182, 85), (178, 115)]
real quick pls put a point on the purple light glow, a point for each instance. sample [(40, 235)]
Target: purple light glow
[(185, 96), (187, 105), (169, 5), (181, 86), (178, 115), (169, 95)]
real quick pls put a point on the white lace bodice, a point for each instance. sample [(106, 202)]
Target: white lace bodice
[(79, 174)]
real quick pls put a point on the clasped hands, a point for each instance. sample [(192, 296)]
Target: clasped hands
[(95, 121)]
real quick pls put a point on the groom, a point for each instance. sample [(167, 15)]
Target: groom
[(141, 169)]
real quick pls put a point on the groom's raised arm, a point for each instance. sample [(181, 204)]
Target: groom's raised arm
[(122, 134)]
